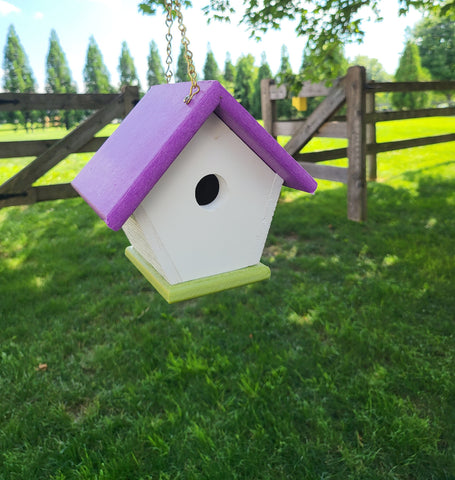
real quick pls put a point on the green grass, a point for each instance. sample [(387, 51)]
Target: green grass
[(341, 366)]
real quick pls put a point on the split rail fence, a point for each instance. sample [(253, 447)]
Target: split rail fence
[(19, 189), (358, 126)]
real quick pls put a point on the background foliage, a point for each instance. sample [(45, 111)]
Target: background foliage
[(432, 59), (326, 24)]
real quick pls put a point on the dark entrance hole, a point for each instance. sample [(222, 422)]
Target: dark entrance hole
[(207, 189)]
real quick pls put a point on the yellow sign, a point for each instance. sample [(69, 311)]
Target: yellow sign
[(299, 103)]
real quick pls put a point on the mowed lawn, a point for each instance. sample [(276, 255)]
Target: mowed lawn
[(341, 366)]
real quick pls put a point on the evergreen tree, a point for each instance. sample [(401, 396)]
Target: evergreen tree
[(126, 68), (244, 81), (155, 72), (96, 74), (324, 23), (58, 74), (58, 79), (264, 69), (435, 38), (211, 70), (229, 70), (410, 70), (228, 76), (285, 71), (181, 75), (18, 75), (285, 75), (263, 72)]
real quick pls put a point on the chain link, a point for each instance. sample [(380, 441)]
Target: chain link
[(194, 89), (188, 55), (169, 22)]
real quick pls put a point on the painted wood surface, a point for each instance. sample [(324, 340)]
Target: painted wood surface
[(188, 240), (201, 286), (144, 146), (300, 103)]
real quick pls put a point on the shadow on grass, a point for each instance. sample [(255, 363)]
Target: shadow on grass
[(50, 250), (340, 366), (407, 242)]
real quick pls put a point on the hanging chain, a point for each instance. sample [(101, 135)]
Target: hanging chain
[(188, 55), (194, 89), (169, 22)]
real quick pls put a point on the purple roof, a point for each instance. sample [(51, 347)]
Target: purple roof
[(150, 138)]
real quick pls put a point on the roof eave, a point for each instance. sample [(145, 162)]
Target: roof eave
[(246, 127)]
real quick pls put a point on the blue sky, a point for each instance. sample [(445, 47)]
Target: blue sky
[(113, 21)]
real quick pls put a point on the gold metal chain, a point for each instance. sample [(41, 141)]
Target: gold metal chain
[(169, 22), (194, 89)]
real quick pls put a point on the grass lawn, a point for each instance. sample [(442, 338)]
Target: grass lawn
[(341, 366)]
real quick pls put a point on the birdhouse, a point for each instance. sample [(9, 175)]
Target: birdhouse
[(194, 187)]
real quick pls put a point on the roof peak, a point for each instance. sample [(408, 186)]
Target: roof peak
[(150, 138)]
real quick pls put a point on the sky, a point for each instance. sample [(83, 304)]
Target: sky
[(113, 21)]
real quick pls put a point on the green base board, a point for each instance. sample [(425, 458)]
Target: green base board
[(199, 287)]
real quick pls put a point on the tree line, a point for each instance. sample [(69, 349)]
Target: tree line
[(326, 24), (429, 54)]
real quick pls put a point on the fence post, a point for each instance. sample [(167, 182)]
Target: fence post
[(130, 98), (370, 107), (356, 129), (268, 108)]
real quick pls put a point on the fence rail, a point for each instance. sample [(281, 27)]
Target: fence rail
[(358, 127), (378, 87), (404, 115), (10, 102), (19, 189), (32, 148)]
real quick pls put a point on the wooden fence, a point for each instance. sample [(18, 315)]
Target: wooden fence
[(358, 126), (19, 189)]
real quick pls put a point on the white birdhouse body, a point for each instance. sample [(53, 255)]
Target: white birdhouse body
[(194, 186), (188, 232)]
